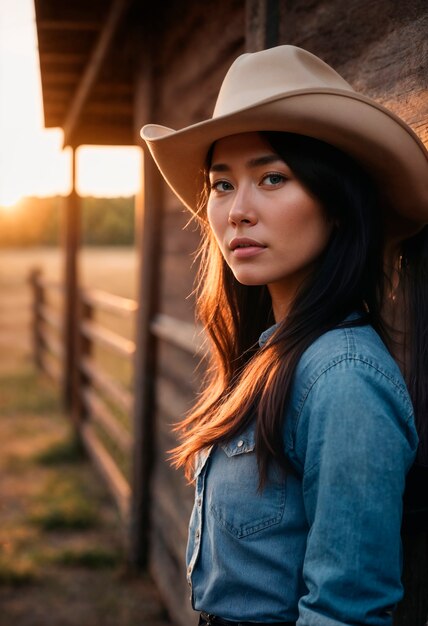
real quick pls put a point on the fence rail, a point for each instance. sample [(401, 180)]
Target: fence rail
[(106, 383), (107, 338), (179, 334), (108, 301)]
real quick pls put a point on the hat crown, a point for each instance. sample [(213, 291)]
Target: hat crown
[(259, 76)]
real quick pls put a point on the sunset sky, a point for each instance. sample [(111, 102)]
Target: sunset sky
[(32, 161)]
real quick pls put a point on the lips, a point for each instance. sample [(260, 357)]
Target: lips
[(243, 248), (244, 242)]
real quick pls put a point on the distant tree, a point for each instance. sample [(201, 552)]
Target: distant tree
[(108, 221), (37, 221)]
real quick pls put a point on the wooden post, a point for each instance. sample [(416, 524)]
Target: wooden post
[(37, 301), (262, 19), (71, 241), (148, 225), (148, 218), (83, 349)]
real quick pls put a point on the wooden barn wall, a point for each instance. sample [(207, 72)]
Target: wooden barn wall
[(380, 47)]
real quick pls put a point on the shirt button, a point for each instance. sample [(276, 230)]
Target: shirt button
[(199, 502), (240, 443), (198, 534), (189, 569)]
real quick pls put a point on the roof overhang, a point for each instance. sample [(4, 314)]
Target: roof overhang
[(88, 60)]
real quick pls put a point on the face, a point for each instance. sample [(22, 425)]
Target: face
[(269, 228)]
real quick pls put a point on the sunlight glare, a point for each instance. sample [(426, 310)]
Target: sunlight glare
[(112, 171), (9, 203)]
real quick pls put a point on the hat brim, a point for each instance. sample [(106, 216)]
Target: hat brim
[(385, 146)]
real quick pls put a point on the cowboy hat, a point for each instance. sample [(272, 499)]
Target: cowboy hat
[(289, 89)]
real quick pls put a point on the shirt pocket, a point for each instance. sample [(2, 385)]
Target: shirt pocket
[(233, 495)]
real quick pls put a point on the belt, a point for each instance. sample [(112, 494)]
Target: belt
[(206, 619)]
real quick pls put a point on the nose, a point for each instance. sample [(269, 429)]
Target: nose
[(241, 210)]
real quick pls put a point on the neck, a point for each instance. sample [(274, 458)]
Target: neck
[(281, 301), (284, 292)]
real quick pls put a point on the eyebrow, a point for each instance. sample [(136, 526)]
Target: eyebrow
[(257, 162)]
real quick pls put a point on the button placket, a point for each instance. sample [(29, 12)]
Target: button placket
[(200, 484)]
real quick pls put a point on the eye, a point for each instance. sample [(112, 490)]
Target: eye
[(273, 179), (221, 186)]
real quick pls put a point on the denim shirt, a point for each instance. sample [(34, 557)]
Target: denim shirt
[(321, 547)]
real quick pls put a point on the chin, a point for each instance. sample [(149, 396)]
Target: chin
[(249, 281)]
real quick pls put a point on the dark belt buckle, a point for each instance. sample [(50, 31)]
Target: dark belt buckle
[(208, 618)]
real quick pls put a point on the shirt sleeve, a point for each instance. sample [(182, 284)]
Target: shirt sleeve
[(357, 440)]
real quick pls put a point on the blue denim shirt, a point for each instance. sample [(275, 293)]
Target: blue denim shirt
[(322, 547)]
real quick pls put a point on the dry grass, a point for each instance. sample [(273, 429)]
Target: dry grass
[(112, 268)]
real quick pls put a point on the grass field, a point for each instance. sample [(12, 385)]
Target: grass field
[(111, 268)]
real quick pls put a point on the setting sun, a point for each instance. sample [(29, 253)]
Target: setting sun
[(8, 203)]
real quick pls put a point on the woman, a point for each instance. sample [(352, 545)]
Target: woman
[(313, 203)]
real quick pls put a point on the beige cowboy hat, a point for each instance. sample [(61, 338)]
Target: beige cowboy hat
[(289, 89)]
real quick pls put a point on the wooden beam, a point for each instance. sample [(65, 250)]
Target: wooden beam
[(91, 73), (110, 108), (57, 79), (62, 57), (103, 134), (75, 25), (119, 89), (54, 92)]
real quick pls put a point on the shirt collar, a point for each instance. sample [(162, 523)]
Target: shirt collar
[(267, 334)]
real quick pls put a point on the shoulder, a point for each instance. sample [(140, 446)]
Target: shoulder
[(345, 353), (348, 390)]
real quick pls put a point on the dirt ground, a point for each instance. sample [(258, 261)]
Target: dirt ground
[(61, 545), (61, 549)]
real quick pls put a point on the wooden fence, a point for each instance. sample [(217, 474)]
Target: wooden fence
[(98, 397)]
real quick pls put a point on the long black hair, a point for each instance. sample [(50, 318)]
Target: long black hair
[(414, 279), (245, 381)]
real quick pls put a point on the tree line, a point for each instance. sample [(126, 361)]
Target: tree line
[(37, 222)]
